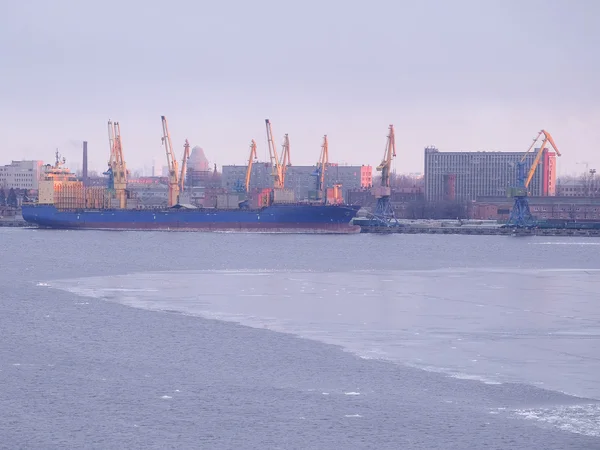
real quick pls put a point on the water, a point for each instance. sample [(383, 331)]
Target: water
[(410, 341)]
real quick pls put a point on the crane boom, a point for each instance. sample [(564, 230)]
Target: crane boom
[(285, 158), (386, 164), (547, 139), (171, 164), (251, 159), (184, 161), (117, 168), (321, 168), (275, 165), (520, 215)]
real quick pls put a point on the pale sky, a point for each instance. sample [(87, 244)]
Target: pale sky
[(461, 75)]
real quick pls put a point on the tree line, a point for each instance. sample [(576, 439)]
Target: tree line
[(11, 199)]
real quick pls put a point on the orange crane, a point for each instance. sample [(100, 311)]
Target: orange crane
[(520, 215), (171, 164), (285, 158), (117, 169), (251, 159), (184, 161), (277, 171)]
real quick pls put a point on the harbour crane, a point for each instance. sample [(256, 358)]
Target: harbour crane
[(184, 161), (520, 215), (251, 160), (171, 165), (383, 210), (285, 158), (320, 170), (117, 169), (277, 172)]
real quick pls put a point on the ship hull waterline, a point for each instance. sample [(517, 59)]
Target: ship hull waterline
[(290, 219)]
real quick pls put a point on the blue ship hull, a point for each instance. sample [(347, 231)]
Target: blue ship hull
[(295, 218)]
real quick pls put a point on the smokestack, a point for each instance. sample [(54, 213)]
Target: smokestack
[(85, 164)]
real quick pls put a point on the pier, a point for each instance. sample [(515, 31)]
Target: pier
[(481, 231)]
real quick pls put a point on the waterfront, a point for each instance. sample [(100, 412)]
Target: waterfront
[(111, 341)]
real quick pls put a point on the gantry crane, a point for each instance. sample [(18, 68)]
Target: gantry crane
[(276, 170), (520, 216), (117, 169), (184, 161), (285, 158), (171, 164), (319, 172), (383, 209), (251, 160)]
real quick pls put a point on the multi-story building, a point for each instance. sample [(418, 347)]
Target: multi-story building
[(299, 178), (469, 175), (234, 177), (21, 175)]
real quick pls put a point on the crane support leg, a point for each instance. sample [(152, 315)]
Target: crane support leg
[(384, 212), (520, 216)]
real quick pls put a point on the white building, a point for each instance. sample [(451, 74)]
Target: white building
[(21, 175)]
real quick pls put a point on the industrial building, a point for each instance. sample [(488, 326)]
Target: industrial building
[(21, 175), (463, 176), (299, 178), (565, 208), (585, 186), (198, 169)]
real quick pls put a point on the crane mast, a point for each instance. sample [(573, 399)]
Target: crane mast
[(383, 209), (184, 161), (117, 169), (171, 164), (251, 159), (520, 215), (275, 165)]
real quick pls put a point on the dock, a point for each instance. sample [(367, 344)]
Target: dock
[(479, 231)]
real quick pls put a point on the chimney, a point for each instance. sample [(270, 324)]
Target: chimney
[(85, 164)]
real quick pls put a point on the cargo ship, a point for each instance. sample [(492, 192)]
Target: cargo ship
[(284, 218), (65, 203)]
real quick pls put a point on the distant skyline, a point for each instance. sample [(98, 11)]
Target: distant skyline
[(465, 75)]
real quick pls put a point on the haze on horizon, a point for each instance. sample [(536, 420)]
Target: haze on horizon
[(461, 75)]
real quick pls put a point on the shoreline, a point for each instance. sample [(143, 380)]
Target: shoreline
[(481, 231)]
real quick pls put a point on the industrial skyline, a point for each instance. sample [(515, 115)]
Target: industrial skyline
[(395, 62)]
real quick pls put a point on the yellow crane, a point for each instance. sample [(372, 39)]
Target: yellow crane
[(520, 215), (184, 161), (384, 210), (320, 170), (547, 139), (171, 165), (251, 159), (277, 171), (117, 169), (285, 158)]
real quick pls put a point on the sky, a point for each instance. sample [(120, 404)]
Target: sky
[(465, 75)]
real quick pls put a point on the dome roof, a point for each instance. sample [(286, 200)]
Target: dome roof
[(198, 160)]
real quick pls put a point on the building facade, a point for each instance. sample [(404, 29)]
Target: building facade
[(464, 176), (299, 178), (21, 175), (564, 208), (585, 186)]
